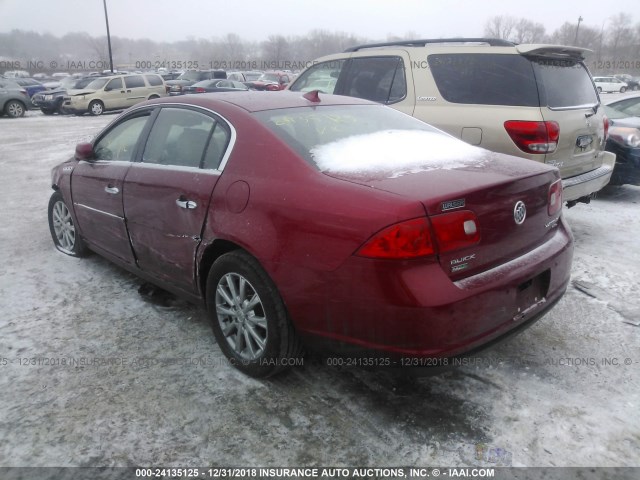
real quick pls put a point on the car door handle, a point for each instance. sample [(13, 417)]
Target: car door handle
[(112, 190), (188, 204)]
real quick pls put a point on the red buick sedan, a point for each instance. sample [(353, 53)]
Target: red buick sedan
[(316, 218)]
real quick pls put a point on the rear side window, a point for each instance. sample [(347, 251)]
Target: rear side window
[(564, 83), (178, 137), (154, 80), (135, 81), (485, 79), (379, 79)]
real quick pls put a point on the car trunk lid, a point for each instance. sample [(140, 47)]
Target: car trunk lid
[(491, 187)]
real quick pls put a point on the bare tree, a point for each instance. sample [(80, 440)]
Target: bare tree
[(500, 26)]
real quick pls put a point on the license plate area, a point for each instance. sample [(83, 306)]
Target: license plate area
[(531, 294)]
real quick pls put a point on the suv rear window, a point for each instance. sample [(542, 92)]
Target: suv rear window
[(564, 83), (485, 79), (154, 80)]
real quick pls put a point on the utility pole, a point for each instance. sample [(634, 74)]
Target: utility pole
[(575, 41), (106, 18)]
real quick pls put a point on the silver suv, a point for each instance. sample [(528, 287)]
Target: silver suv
[(533, 101)]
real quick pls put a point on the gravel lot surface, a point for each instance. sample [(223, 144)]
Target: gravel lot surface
[(92, 374)]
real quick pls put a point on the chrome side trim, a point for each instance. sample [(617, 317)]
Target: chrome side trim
[(98, 211)]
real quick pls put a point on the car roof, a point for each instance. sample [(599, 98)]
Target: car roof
[(253, 101)]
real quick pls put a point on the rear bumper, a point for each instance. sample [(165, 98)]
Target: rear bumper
[(585, 184), (414, 310)]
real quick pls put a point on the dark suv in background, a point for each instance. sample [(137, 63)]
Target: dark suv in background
[(50, 102)]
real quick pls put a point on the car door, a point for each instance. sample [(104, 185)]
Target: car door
[(167, 193), (97, 187), (114, 95), (136, 90)]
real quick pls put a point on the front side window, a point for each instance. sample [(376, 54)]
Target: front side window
[(120, 142), (179, 137), (322, 76), (379, 79), (114, 84)]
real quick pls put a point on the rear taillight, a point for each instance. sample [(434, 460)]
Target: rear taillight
[(456, 230), (605, 122), (554, 203), (200, 90), (533, 137), (408, 239), (413, 238)]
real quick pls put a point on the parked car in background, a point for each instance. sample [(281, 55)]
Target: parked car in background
[(632, 83), (236, 76), (270, 81), (16, 74), (427, 247), (174, 87), (14, 101), (252, 75), (533, 101), (629, 105), (624, 141), (31, 85), (51, 101), (609, 84), (209, 86), (114, 93)]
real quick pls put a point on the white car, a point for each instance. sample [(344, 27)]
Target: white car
[(609, 84)]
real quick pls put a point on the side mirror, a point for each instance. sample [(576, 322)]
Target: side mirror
[(84, 151)]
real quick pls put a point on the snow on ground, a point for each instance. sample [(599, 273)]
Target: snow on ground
[(93, 375)]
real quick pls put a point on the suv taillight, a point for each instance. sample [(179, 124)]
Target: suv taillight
[(533, 137), (605, 122), (554, 203), (413, 238)]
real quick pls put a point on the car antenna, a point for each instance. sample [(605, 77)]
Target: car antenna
[(312, 96)]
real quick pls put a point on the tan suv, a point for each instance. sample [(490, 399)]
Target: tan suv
[(534, 101), (114, 93)]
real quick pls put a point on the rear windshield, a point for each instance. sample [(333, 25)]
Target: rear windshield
[(495, 79), (305, 129), (564, 83)]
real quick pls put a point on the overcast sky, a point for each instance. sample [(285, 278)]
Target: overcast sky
[(172, 20)]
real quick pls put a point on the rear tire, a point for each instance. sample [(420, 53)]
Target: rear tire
[(623, 89), (14, 109), (96, 108), (249, 318), (47, 111), (599, 89)]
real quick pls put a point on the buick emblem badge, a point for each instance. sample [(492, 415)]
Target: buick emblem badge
[(519, 213)]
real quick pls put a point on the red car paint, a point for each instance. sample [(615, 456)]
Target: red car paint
[(305, 228)]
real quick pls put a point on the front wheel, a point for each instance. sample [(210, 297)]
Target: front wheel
[(599, 89), (96, 108), (14, 109), (249, 318), (63, 230)]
